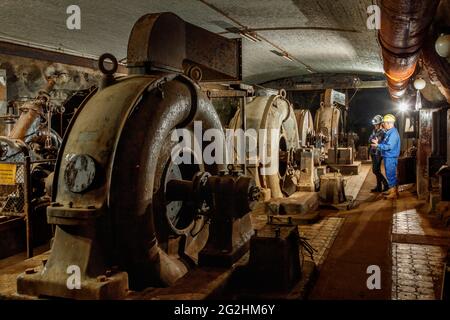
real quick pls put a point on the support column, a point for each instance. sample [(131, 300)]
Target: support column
[(424, 148)]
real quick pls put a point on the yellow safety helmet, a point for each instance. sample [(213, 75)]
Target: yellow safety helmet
[(389, 118)]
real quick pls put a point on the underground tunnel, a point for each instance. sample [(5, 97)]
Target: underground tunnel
[(202, 150)]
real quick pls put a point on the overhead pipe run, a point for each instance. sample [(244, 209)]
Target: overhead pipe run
[(404, 27)]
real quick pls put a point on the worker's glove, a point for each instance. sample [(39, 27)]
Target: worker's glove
[(374, 142)]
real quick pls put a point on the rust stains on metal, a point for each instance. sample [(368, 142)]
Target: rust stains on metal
[(80, 173), (31, 111), (217, 57), (404, 26), (424, 151), (437, 67)]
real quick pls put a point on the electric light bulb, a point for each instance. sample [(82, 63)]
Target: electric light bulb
[(443, 46), (420, 84), (403, 107)]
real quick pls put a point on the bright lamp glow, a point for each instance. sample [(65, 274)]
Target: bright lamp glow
[(403, 107), (420, 84), (443, 46)]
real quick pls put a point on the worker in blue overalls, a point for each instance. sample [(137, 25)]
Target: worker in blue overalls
[(375, 154), (390, 151)]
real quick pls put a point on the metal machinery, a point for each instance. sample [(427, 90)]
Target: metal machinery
[(273, 112), (126, 215), (327, 123), (31, 133), (36, 133), (27, 158), (309, 156), (330, 125), (305, 125)]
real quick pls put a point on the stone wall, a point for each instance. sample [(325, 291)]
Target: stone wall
[(25, 77)]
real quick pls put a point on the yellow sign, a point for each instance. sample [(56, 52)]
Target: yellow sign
[(7, 174)]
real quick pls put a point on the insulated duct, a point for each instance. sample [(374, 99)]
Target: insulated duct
[(404, 27)]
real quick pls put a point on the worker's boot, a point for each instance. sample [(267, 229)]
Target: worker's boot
[(381, 186), (376, 189), (393, 193)]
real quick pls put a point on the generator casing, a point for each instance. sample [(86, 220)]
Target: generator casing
[(332, 189), (280, 269), (340, 156), (309, 179)]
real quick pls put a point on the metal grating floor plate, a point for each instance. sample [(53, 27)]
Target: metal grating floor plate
[(416, 271)]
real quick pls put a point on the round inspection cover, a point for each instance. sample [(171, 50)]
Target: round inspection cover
[(80, 173)]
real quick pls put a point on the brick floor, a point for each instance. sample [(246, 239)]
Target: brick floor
[(416, 271), (321, 236), (408, 245), (353, 184)]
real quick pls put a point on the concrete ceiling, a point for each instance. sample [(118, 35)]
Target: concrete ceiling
[(343, 44)]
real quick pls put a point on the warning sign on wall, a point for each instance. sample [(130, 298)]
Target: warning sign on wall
[(7, 174)]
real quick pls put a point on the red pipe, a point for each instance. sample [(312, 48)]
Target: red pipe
[(404, 26)]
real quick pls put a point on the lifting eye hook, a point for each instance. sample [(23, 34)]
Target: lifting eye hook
[(161, 90)]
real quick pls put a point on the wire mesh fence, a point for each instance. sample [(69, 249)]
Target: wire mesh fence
[(16, 192), (12, 183), (12, 186)]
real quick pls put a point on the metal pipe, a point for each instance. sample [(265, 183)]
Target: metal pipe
[(27, 205), (43, 161), (8, 117), (33, 110), (244, 127), (179, 190), (404, 26)]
